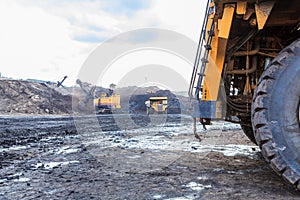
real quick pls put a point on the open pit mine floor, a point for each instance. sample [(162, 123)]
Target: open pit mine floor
[(131, 157)]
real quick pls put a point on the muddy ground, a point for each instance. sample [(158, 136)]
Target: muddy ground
[(131, 157)]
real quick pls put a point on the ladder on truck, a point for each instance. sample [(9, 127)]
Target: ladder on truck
[(195, 86), (204, 44)]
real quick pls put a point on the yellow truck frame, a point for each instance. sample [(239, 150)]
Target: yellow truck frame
[(157, 105), (247, 70)]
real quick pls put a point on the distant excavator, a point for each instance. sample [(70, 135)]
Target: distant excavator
[(59, 83), (107, 103), (87, 90)]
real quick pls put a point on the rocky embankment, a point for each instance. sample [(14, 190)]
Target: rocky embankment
[(23, 97)]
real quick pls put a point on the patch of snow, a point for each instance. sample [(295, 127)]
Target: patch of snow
[(66, 150), (16, 148), (22, 180), (280, 147), (13, 148), (133, 157), (204, 177), (163, 143), (227, 150), (197, 186), (51, 165), (171, 137), (188, 197), (157, 196), (236, 172), (48, 138), (17, 174), (38, 165), (218, 169)]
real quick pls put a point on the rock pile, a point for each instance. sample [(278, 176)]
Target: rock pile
[(25, 97), (32, 98)]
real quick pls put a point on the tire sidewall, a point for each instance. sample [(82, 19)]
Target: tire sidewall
[(282, 112)]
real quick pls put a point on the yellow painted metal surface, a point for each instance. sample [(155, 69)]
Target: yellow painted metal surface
[(241, 7), (226, 21), (216, 58), (113, 101), (156, 106), (159, 104)]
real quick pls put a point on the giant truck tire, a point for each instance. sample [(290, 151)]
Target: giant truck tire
[(275, 114)]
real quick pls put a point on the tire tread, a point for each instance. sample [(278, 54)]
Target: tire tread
[(261, 127)]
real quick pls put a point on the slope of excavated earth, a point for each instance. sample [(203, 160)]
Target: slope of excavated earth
[(32, 98), (25, 97)]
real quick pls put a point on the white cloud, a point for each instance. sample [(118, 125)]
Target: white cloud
[(148, 61), (184, 17), (50, 39), (35, 44)]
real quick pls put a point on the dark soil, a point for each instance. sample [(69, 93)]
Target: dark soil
[(51, 158)]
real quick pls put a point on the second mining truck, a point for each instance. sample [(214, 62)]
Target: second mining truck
[(247, 70), (157, 105)]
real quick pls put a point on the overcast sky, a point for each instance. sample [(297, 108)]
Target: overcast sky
[(48, 39)]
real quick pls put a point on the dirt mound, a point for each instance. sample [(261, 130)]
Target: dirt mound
[(25, 97), (32, 98)]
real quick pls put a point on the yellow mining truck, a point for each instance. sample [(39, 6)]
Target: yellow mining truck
[(157, 105), (107, 103), (247, 70)]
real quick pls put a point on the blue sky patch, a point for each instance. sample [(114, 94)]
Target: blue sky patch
[(125, 6), (89, 39)]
